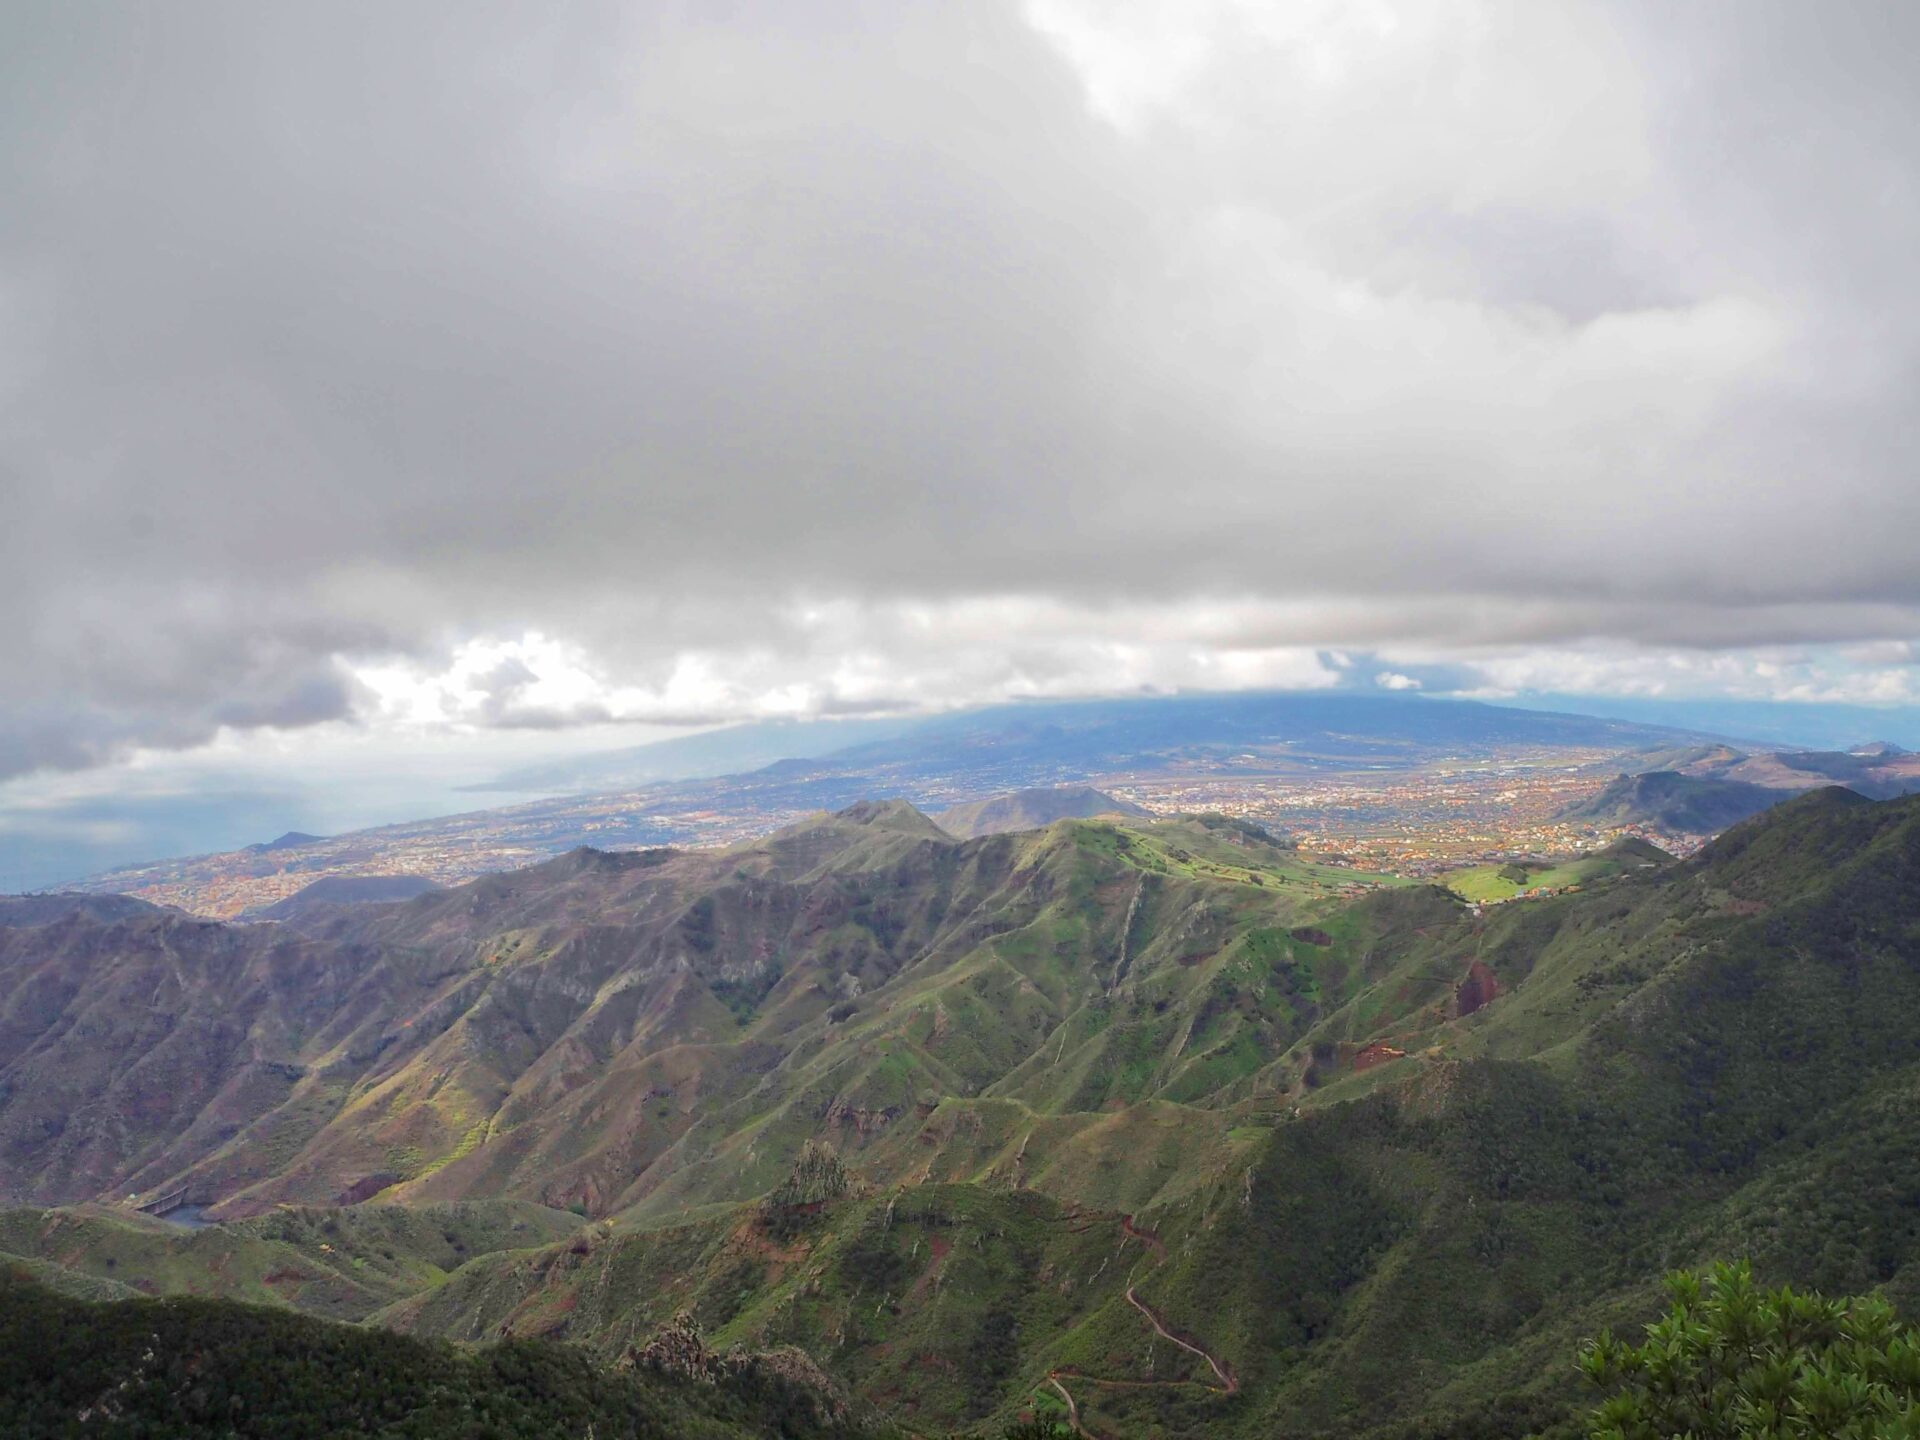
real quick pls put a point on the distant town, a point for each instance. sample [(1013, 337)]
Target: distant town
[(1416, 822)]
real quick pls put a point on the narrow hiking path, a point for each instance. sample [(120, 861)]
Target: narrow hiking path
[(1073, 1411), (1151, 1240), (1227, 1380)]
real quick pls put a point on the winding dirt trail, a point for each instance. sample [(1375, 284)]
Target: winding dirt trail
[(1228, 1381), (1073, 1410)]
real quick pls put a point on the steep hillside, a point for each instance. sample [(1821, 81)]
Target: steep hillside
[(1148, 1119), (659, 1029), (1676, 804), (212, 1368), (1032, 809), (1671, 1065)]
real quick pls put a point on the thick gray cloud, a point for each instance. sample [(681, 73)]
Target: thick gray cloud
[(779, 356)]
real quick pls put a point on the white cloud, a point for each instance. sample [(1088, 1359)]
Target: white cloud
[(647, 365), (1823, 675)]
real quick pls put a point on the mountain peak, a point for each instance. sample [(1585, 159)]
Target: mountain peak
[(892, 814), (1031, 809), (292, 840), (1671, 801), (1878, 750)]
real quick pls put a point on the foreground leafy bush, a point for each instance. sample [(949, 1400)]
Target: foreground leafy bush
[(1732, 1360)]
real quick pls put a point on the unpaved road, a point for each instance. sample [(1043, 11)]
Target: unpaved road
[(1226, 1376), (1073, 1410), (1228, 1383)]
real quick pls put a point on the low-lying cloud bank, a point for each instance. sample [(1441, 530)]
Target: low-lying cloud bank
[(467, 366)]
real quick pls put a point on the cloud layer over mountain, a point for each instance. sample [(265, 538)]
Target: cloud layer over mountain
[(510, 365)]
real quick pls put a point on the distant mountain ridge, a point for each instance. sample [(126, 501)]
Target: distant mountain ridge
[(244, 1041), (1700, 790), (345, 890), (1676, 803), (1032, 809), (938, 762), (292, 840), (1879, 775), (1878, 750), (734, 749), (1093, 736)]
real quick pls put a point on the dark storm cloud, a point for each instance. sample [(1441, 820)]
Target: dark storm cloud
[(343, 334)]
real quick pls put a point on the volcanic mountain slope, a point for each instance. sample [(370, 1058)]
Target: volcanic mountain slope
[(42, 909), (1710, 1058), (1877, 769), (1694, 790), (1004, 746), (650, 1029), (1151, 1116), (1675, 803)]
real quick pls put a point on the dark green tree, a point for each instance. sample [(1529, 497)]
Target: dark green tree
[(1732, 1361)]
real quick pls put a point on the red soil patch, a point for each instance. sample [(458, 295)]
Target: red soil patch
[(938, 1248), (1477, 991), (284, 1277), (748, 1236), (1146, 1237), (1309, 935)]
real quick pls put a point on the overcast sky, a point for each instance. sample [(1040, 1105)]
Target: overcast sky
[(373, 374)]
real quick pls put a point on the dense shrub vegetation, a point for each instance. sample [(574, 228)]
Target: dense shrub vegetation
[(1730, 1361), (186, 1368)]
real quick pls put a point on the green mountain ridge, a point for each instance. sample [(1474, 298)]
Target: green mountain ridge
[(605, 1031), (1148, 1114)]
